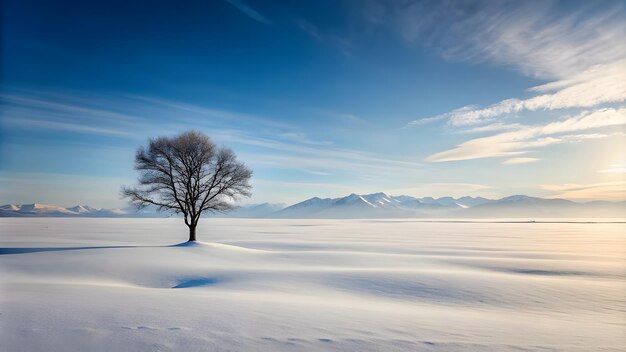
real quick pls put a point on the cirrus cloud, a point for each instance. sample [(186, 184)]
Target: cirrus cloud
[(526, 138), (514, 161), (600, 84), (606, 191)]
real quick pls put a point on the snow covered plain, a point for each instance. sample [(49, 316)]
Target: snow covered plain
[(311, 285)]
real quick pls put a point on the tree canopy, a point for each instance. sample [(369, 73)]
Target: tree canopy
[(188, 174)]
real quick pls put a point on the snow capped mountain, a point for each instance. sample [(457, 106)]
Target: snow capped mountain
[(105, 213), (36, 209), (375, 205), (82, 209), (10, 207), (381, 205), (306, 208)]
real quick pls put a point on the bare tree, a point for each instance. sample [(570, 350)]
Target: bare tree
[(188, 174)]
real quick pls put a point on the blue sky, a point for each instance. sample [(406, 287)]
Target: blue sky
[(320, 98)]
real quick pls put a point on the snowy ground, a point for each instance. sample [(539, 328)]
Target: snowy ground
[(311, 285)]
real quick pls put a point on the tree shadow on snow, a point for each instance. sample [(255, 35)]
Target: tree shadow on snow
[(25, 250)]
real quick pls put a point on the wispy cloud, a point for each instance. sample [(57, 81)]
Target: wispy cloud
[(277, 144), (258, 140), (195, 112), (309, 28), (64, 126), (579, 51), (514, 161), (345, 117), (40, 112), (301, 137), (524, 139), (619, 168), (594, 191), (335, 40), (318, 173), (322, 158), (492, 127), (63, 105), (249, 11), (600, 84), (540, 38), (124, 115), (300, 185)]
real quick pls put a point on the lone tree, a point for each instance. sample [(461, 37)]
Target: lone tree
[(188, 174)]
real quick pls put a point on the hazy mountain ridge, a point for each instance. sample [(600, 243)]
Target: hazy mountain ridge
[(44, 210), (36, 209), (375, 205), (380, 205)]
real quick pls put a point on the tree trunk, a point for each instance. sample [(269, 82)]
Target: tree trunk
[(192, 233)]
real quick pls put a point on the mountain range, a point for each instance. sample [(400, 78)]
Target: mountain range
[(381, 205), (375, 205), (36, 209)]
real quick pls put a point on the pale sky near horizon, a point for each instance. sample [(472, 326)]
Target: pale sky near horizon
[(319, 98)]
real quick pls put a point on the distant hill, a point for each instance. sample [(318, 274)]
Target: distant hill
[(43, 210), (381, 205), (375, 205)]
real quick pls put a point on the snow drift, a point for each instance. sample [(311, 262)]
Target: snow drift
[(310, 285)]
